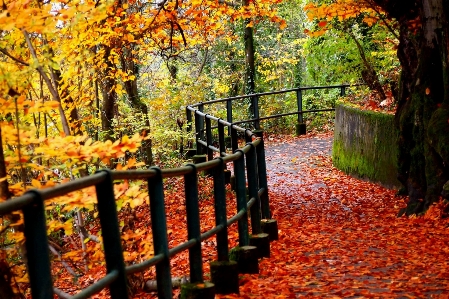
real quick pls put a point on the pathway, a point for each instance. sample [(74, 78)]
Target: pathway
[(340, 237)]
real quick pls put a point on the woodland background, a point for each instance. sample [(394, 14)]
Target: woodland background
[(91, 84)]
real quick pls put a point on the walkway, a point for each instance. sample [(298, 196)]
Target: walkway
[(340, 237)]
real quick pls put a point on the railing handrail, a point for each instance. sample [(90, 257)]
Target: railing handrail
[(190, 107), (203, 143), (249, 158), (32, 204)]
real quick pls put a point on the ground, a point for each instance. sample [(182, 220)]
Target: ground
[(339, 237)]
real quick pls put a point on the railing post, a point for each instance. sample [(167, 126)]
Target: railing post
[(300, 126), (209, 141), (245, 255), (229, 114), (159, 227), (299, 105), (342, 91), (112, 243), (268, 224), (36, 244), (199, 147), (253, 187), (221, 139), (196, 288), (193, 224), (220, 211), (234, 139), (262, 173), (255, 106), (258, 238), (201, 127), (240, 190), (224, 273), (189, 120)]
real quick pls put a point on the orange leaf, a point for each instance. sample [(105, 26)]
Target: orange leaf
[(36, 183), (322, 23)]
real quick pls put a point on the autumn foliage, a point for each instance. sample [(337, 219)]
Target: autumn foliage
[(71, 103), (73, 100)]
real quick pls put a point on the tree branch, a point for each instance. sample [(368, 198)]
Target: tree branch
[(86, 235), (203, 63), (14, 58), (64, 263), (61, 294), (373, 7), (53, 91)]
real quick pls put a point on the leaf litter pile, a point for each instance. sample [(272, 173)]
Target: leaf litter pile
[(339, 237)]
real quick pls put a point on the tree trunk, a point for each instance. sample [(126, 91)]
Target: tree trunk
[(4, 190), (369, 74), (70, 104), (250, 82), (423, 109), (109, 99), (129, 67)]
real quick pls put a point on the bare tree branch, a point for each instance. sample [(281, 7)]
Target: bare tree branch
[(61, 294), (53, 91), (14, 58), (64, 263)]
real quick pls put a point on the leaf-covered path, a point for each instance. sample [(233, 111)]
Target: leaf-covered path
[(340, 237)]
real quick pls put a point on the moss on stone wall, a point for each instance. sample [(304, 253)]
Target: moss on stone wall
[(365, 145)]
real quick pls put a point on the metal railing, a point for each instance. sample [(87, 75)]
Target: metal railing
[(204, 143), (250, 157), (251, 193)]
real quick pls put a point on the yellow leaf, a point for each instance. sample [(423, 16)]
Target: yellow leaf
[(23, 279), (88, 142), (131, 162), (36, 183), (68, 227)]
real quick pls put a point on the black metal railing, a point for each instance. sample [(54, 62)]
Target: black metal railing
[(248, 157), (250, 186), (204, 143)]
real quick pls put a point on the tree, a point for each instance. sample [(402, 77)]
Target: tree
[(364, 29), (422, 115)]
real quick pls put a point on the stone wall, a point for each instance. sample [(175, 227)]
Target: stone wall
[(365, 145)]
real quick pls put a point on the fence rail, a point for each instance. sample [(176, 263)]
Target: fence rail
[(203, 143), (251, 190), (32, 205)]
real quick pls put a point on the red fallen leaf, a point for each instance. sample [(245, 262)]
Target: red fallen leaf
[(339, 236), (322, 23)]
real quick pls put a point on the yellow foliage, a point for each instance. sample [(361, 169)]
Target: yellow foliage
[(340, 10)]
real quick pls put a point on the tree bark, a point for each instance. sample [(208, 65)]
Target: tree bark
[(109, 98), (423, 107), (4, 188), (250, 80), (51, 88), (131, 68)]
